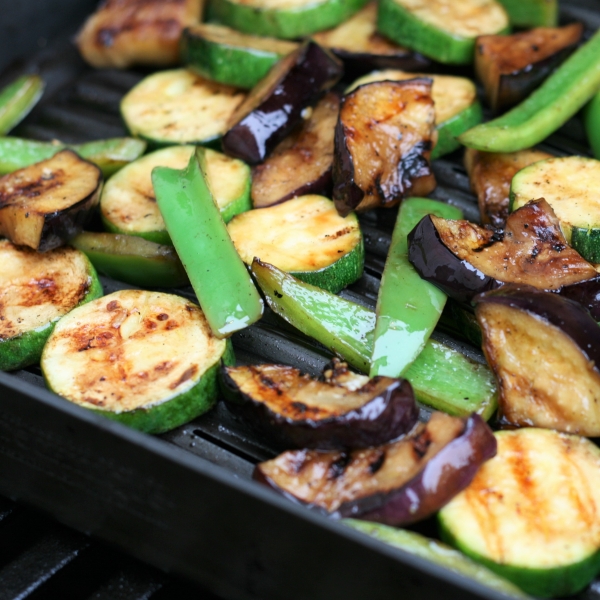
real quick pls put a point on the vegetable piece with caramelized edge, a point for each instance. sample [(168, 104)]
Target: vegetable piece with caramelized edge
[(408, 308), (441, 377), (490, 175), (123, 33), (560, 96), (17, 99), (44, 205), (532, 13), (334, 413), (396, 483), (37, 289), (530, 512), (591, 118), (304, 236), (121, 357), (441, 29), (383, 140), (512, 66), (275, 106), (219, 277), (132, 259), (544, 351), (179, 107), (302, 163)]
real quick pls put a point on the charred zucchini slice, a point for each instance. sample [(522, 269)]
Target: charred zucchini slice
[(179, 107), (35, 291), (128, 202), (44, 205), (304, 236), (529, 513), (121, 357)]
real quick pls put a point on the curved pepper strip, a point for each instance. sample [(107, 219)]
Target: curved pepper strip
[(17, 99), (591, 120)]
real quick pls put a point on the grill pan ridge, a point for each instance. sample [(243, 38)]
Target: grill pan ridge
[(184, 501)]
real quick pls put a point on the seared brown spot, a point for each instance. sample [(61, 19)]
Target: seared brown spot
[(162, 317), (421, 443), (171, 325), (187, 374), (376, 464), (113, 305), (338, 466)]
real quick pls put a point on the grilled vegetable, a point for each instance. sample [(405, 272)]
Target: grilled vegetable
[(347, 411), (560, 96), (132, 259), (35, 291), (568, 184), (123, 33), (304, 236), (128, 202), (302, 163), (17, 99), (179, 107), (275, 106), (44, 205), (120, 356), (544, 351), (397, 483), (280, 19), (441, 377), (532, 13), (491, 174), (383, 139), (512, 66), (230, 57), (530, 512), (592, 124), (408, 308), (441, 30), (221, 282)]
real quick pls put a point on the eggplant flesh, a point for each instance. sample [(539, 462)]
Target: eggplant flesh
[(397, 483), (543, 350), (340, 411), (302, 163), (383, 141)]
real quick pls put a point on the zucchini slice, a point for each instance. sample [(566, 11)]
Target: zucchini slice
[(532, 13), (179, 107), (304, 236), (441, 29), (121, 356), (230, 57), (530, 513), (36, 289), (569, 185), (128, 202)]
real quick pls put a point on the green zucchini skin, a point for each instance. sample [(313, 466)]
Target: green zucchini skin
[(449, 130), (157, 237), (532, 13), (17, 99), (591, 119)]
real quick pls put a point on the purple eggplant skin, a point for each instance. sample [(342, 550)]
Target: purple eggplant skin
[(255, 136), (357, 64), (387, 416), (586, 293), (343, 173)]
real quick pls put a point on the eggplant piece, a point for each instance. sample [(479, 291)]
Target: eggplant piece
[(276, 105), (46, 204), (342, 411), (302, 163), (512, 66), (397, 483), (491, 173), (464, 259), (383, 141), (544, 350)]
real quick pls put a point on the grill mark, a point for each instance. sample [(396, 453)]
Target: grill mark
[(420, 444), (376, 464), (185, 376), (338, 466)]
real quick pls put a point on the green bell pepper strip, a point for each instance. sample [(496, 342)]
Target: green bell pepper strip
[(532, 13), (546, 109), (224, 288), (441, 377), (408, 307), (132, 259), (591, 120), (17, 99), (110, 155)]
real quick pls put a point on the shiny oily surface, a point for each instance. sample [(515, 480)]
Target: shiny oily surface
[(279, 4)]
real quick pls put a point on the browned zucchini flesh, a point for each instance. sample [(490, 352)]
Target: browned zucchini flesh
[(302, 163), (490, 174), (512, 66), (44, 205), (383, 141)]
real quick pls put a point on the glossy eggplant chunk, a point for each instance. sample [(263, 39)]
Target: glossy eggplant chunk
[(397, 483), (296, 411), (544, 350), (512, 66), (302, 163), (275, 106), (383, 141)]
